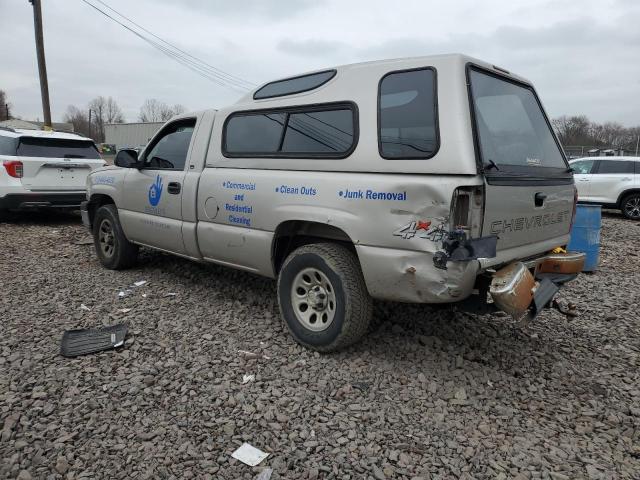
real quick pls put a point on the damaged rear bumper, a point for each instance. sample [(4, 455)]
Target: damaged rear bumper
[(525, 288)]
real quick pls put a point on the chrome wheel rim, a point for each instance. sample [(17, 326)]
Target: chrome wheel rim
[(106, 238), (632, 207), (313, 299)]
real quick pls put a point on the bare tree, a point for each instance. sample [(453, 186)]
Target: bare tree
[(573, 130), (153, 110), (98, 107), (113, 113), (4, 106), (178, 109), (103, 110), (578, 130), (79, 119)]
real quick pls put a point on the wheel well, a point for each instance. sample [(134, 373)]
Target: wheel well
[(294, 233), (95, 202), (624, 194)]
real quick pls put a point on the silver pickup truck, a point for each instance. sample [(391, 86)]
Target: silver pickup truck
[(427, 180)]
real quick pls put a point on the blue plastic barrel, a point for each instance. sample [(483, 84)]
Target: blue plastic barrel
[(585, 235)]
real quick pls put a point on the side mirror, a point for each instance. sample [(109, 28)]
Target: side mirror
[(126, 158)]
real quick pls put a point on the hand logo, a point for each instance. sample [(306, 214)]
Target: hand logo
[(155, 191)]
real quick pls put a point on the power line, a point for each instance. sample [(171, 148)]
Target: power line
[(198, 66), (221, 72), (176, 56)]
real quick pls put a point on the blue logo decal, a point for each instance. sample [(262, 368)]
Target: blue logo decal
[(155, 192)]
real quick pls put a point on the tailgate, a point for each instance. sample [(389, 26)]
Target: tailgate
[(529, 189), (525, 214), (57, 164), (56, 174)]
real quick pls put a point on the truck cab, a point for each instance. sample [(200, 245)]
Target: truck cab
[(425, 180)]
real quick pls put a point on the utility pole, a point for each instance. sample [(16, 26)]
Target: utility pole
[(637, 144), (90, 123), (42, 66)]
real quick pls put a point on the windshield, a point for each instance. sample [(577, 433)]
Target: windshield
[(56, 148), (511, 126)]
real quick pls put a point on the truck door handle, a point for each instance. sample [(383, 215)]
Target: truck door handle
[(626, 179), (173, 188), (539, 198)]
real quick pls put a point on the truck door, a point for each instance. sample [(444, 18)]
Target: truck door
[(151, 209), (609, 179), (582, 173)]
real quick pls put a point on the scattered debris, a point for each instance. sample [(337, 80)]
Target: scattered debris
[(125, 293), (249, 354), (170, 294), (248, 378), (84, 307), (249, 455), (124, 310), (569, 310), (92, 340), (264, 474), (139, 283), (83, 241)]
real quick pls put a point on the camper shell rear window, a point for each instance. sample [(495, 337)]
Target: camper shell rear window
[(289, 86)]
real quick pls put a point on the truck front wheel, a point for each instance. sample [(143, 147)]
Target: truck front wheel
[(323, 298), (114, 251)]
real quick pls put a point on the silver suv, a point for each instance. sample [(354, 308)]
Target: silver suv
[(613, 182), (425, 180)]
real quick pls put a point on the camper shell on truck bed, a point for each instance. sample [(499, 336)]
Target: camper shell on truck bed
[(409, 180)]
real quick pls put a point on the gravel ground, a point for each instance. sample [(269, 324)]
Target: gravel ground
[(428, 394)]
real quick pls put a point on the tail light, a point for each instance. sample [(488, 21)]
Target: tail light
[(13, 168), (575, 206), (467, 207)]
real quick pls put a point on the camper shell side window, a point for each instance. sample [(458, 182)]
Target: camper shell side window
[(408, 114), (328, 130), (293, 85)]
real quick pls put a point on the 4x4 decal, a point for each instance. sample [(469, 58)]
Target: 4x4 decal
[(422, 229)]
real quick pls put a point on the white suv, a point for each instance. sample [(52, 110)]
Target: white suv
[(40, 169), (613, 182)]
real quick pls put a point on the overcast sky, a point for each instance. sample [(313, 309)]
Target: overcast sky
[(582, 55)]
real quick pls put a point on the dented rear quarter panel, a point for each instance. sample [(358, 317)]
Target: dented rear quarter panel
[(396, 223)]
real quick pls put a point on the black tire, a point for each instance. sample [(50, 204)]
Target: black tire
[(343, 282), (630, 206), (107, 232)]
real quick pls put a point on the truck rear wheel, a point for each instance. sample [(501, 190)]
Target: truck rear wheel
[(114, 251), (323, 298), (631, 206)]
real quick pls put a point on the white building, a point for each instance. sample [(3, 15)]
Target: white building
[(130, 135)]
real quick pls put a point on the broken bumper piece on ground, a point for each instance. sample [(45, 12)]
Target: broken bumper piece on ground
[(521, 289), (82, 342)]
